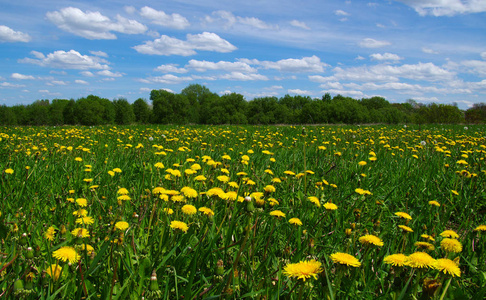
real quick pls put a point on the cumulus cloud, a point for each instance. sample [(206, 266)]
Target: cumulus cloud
[(228, 20), (243, 77), (99, 53), (483, 55), (93, 25), (166, 45), (372, 43), (169, 79), (79, 81), (10, 85), (299, 24), (109, 73), (7, 34), (170, 68), (311, 64), (341, 13), (21, 76), (429, 51), (66, 60), (202, 66), (299, 92), (446, 7), (385, 56), (161, 18)]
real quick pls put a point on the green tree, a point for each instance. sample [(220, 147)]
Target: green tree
[(123, 112), (38, 113), (7, 116), (56, 111), (69, 113), (142, 111)]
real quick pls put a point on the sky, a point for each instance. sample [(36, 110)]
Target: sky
[(426, 50)]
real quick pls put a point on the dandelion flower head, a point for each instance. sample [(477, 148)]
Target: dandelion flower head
[(66, 253), (396, 260), (303, 270), (345, 259)]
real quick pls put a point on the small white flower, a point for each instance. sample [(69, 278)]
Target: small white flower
[(423, 143), (248, 198), (151, 138), (465, 128)]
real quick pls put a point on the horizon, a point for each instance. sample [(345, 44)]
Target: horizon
[(428, 51)]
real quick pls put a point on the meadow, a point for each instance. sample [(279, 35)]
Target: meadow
[(235, 212)]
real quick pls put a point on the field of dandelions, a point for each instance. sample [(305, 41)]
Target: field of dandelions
[(334, 212)]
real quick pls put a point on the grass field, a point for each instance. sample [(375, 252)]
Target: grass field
[(334, 212)]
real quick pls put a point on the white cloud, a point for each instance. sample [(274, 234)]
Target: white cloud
[(429, 51), (130, 9), (21, 76), (346, 93), (169, 79), (161, 18), (385, 56), (483, 55), (446, 7), (299, 92), (341, 13), (202, 66), (475, 67), (243, 77), (109, 73), (67, 60), (87, 74), (57, 82), (299, 24), (166, 45), (99, 53), (7, 34), (10, 85), (304, 65), (229, 20), (93, 25), (372, 43), (79, 81), (170, 68)]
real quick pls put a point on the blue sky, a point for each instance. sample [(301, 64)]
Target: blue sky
[(427, 50)]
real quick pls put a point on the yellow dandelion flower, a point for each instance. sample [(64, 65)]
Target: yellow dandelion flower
[(396, 260), (295, 221), (277, 213), (49, 234), (189, 192), (276, 180), (303, 269), (223, 178), (111, 173), (66, 253), (403, 215), (427, 237), (189, 209), (54, 271), (434, 203), (88, 248), (121, 225), (290, 173), (168, 211), (420, 260), (80, 232), (480, 228), (362, 191), (85, 220), (424, 246), (9, 171), (80, 212), (122, 191), (207, 211), (315, 200), (362, 163), (82, 202), (78, 159), (405, 228), (179, 225), (451, 245), (447, 266), (345, 259), (269, 189), (449, 234), (124, 198), (330, 206), (200, 178), (233, 184), (159, 165), (455, 192), (370, 239)]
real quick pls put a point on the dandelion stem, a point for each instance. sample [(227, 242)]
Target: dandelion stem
[(445, 289)]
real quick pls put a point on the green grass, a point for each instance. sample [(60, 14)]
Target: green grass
[(242, 251)]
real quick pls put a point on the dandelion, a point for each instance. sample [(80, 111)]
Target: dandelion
[(66, 253), (403, 215), (82, 202), (480, 228), (420, 260), (159, 165), (223, 178), (363, 192), (207, 211), (447, 266), (425, 246), (189, 192), (330, 206), (405, 228), (278, 214), (179, 225), (455, 192), (124, 198), (111, 173), (49, 234), (9, 171), (362, 163), (427, 237), (121, 225), (449, 234), (345, 259), (303, 269), (269, 189), (370, 239), (88, 248), (295, 221), (315, 200), (189, 209), (122, 191), (78, 159), (451, 245), (80, 232), (200, 178), (80, 212), (85, 220), (54, 271), (168, 211), (396, 260), (434, 203), (290, 173)]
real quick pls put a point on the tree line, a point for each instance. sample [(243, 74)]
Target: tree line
[(196, 104)]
